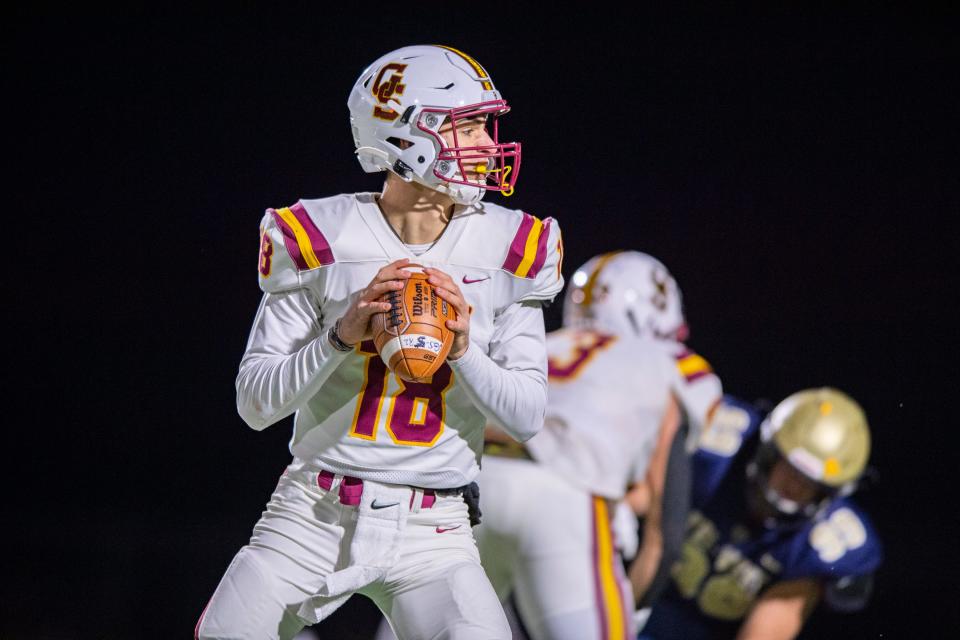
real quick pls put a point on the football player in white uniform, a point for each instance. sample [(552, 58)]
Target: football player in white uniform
[(621, 384), (376, 498)]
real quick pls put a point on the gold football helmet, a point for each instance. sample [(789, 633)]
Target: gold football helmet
[(822, 434)]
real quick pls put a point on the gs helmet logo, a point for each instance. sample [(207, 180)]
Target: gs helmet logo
[(384, 87)]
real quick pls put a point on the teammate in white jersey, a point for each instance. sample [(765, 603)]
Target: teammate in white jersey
[(620, 379), (376, 498)]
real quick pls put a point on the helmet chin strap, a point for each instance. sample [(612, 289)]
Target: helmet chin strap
[(455, 191), (784, 505), (461, 194)]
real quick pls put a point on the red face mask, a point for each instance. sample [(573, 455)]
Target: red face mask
[(498, 162)]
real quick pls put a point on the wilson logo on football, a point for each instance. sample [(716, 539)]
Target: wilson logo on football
[(384, 87)]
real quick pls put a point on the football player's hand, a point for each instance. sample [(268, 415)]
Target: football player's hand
[(448, 290), (355, 323)]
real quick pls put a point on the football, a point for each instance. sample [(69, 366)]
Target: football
[(413, 338)]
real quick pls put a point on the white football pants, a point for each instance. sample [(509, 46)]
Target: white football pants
[(433, 588), (552, 545)]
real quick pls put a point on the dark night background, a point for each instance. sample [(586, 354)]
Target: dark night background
[(794, 168)]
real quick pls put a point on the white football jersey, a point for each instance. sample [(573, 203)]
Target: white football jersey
[(606, 397), (355, 417)]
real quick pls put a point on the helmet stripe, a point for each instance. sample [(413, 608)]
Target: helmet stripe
[(592, 281), (484, 77)]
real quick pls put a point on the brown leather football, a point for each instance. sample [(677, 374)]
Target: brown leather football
[(413, 338)]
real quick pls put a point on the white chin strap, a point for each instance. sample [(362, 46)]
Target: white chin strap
[(461, 193), (789, 507), (783, 505)]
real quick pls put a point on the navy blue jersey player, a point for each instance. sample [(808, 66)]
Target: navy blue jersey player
[(772, 530)]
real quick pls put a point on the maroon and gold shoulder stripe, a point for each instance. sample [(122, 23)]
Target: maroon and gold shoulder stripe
[(528, 251), (303, 240), (692, 366)]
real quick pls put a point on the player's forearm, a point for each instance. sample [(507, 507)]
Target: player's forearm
[(513, 400), (780, 612), (270, 387), (643, 569)]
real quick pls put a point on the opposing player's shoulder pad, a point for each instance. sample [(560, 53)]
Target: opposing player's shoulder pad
[(732, 423), (292, 248), (843, 542), (534, 257)]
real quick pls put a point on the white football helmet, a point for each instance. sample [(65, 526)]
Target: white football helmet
[(398, 105), (626, 292)]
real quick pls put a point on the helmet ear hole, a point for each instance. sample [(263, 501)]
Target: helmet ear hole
[(402, 169), (399, 143)]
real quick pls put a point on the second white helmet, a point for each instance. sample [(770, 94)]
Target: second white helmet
[(398, 105), (626, 292)]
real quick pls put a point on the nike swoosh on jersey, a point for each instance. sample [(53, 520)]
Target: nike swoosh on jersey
[(374, 505), (439, 530), (467, 280)]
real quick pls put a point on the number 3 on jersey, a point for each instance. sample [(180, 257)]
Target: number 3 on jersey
[(414, 412), (586, 345)]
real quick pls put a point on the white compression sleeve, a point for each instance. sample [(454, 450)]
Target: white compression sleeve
[(287, 359), (510, 385)]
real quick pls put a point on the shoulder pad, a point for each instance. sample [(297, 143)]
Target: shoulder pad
[(292, 248), (535, 258), (732, 423), (691, 365), (843, 542)]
